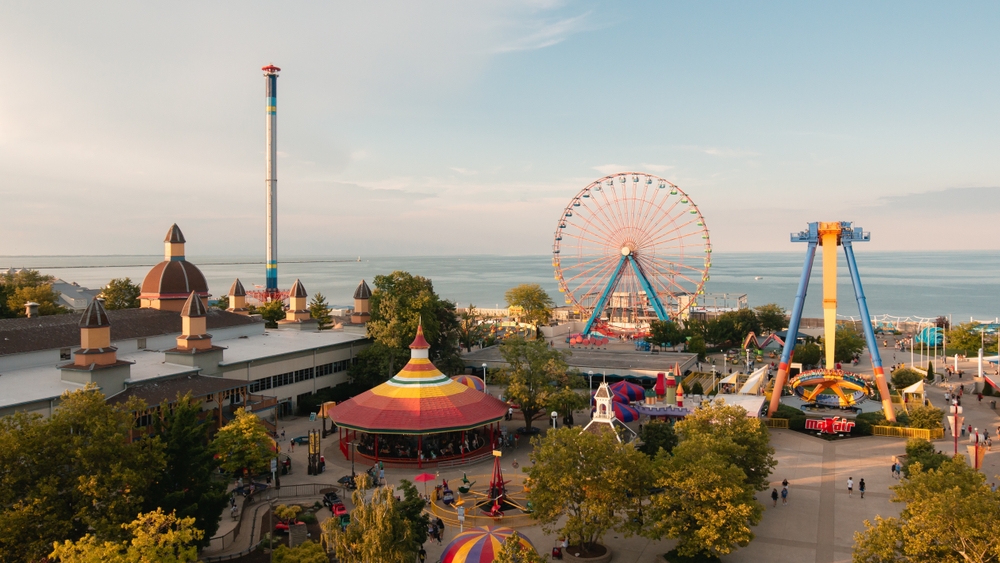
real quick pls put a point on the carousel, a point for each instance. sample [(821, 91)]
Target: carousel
[(419, 417)]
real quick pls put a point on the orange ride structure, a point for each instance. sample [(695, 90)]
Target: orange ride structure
[(830, 235), (419, 417)]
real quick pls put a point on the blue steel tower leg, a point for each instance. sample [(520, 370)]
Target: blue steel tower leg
[(866, 323), (654, 299), (793, 327), (603, 300)]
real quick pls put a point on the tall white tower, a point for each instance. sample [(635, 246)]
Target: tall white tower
[(271, 177)]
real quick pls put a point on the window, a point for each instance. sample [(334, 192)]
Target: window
[(64, 354), (140, 343)]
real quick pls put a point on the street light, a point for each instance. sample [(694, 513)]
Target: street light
[(956, 421), (554, 416), (484, 374)]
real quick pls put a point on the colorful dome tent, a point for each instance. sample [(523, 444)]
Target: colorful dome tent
[(480, 545), (631, 390), (418, 416), (471, 381)]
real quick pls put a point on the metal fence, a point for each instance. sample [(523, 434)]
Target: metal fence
[(903, 432)]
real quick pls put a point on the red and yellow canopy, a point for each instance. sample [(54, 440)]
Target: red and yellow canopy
[(418, 400)]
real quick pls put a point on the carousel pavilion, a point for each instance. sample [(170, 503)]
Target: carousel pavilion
[(420, 416)]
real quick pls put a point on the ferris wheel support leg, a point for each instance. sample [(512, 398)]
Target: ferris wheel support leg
[(793, 327), (866, 324), (654, 299), (599, 307)]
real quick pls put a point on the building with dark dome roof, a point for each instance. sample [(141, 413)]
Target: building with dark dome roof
[(167, 286), (362, 294)]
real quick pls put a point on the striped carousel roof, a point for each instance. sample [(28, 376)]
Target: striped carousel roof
[(418, 400)]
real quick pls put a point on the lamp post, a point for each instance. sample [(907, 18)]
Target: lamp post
[(354, 447), (591, 374), (555, 415), (484, 374)]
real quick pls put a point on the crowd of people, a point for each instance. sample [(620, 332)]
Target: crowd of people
[(434, 446)]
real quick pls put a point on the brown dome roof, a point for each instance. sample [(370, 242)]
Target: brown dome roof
[(363, 291), (174, 279)]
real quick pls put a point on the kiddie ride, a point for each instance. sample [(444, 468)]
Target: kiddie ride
[(499, 501), (830, 388)]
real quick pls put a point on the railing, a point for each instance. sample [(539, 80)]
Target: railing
[(220, 543), (905, 432), (776, 422), (511, 521)]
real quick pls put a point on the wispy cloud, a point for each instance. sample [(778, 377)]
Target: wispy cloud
[(463, 171), (545, 33), (657, 167), (610, 168)]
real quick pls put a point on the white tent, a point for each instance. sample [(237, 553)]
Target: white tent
[(731, 378), (916, 389), (754, 382)]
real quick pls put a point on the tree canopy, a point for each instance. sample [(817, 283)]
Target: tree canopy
[(704, 502), (516, 552), (536, 376), (740, 440), (772, 317), (399, 302), (530, 302), (950, 516), (244, 444), (808, 354), (188, 484), (18, 288), (470, 329), (306, 552), (320, 311), (665, 333), (657, 435), (71, 474), (152, 536), (121, 293), (849, 344), (591, 478), (378, 533), (969, 338)]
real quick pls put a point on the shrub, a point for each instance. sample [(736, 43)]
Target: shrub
[(696, 389), (930, 371), (922, 451), (903, 378), (926, 417), (307, 518), (673, 557)]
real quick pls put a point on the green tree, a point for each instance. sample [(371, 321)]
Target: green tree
[(968, 338), (740, 440), (377, 532), (71, 474), (370, 366), (514, 551), (222, 302), (152, 536), (399, 302), (849, 343), (470, 330), (531, 304), (320, 311), (411, 509), (926, 417), (121, 293), (306, 552), (244, 444), (772, 317), (904, 377), (697, 346), (271, 312), (188, 485), (705, 503), (930, 371), (950, 515), (583, 484), (920, 452), (18, 288), (665, 333), (808, 354), (657, 435), (535, 375)]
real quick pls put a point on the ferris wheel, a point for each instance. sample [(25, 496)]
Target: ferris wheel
[(630, 248)]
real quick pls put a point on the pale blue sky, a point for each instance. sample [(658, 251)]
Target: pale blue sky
[(465, 127)]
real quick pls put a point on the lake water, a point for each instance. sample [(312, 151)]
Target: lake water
[(904, 284)]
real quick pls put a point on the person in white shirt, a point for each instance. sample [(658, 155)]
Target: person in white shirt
[(850, 486)]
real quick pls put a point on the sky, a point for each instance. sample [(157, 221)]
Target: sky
[(438, 128)]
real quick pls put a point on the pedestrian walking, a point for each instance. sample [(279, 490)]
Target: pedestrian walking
[(850, 486), (440, 525), (774, 496), (422, 554), (784, 495), (861, 487), (291, 446), (282, 435)]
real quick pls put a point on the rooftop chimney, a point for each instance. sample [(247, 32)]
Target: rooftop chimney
[(31, 309)]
